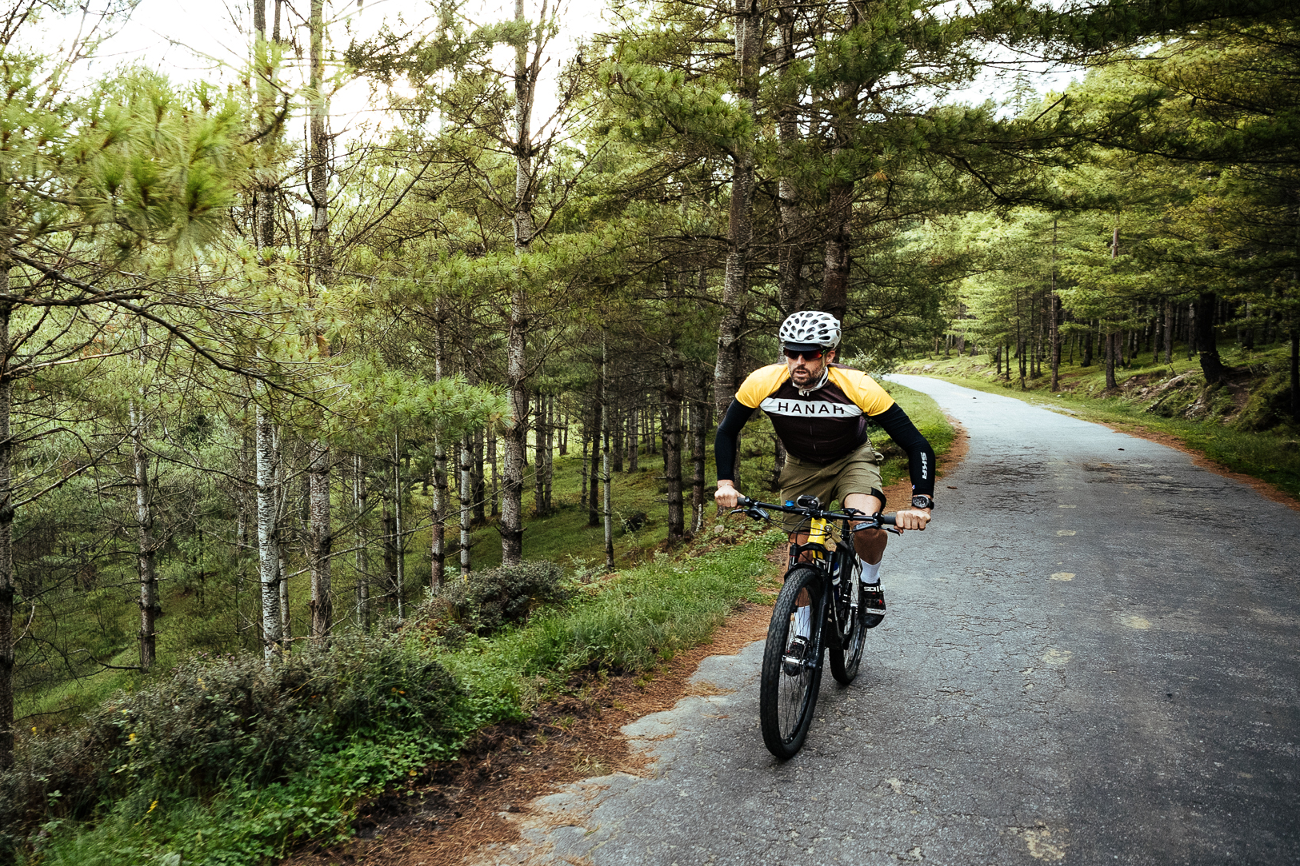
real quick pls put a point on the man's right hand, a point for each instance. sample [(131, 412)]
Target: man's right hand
[(727, 496)]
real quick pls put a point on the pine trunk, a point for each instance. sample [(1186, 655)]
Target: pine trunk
[(1112, 345), (699, 433), (673, 395), (399, 531), (8, 591), (321, 542), (539, 457), (598, 420), (480, 480), (740, 228), (359, 497), (149, 607), (466, 502), (268, 536), (791, 278), (441, 500), (1206, 341), (512, 519), (605, 460)]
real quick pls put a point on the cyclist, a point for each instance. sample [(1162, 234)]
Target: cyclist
[(819, 410)]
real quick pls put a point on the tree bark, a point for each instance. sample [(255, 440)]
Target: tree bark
[(699, 432), (512, 525), (321, 542), (603, 434), (1169, 332), (268, 535), (1112, 346), (480, 479), (466, 502), (552, 419), (839, 241), (740, 228), (8, 591), (1206, 341), (792, 288), (539, 457), (441, 499), (360, 495), (399, 530), (673, 394), (149, 606), (1054, 301), (598, 423)]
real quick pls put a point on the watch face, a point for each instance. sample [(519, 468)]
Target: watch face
[(922, 502)]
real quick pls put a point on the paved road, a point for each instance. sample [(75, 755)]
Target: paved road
[(1091, 657)]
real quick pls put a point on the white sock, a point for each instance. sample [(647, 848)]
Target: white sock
[(869, 574), (803, 621)]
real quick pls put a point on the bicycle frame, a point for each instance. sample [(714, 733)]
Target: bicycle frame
[(832, 554), (822, 575)]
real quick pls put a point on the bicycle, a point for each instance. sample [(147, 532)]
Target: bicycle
[(792, 670)]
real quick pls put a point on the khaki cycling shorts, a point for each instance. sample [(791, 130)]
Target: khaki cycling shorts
[(858, 472)]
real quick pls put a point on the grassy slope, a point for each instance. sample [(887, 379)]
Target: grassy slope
[(203, 619), (1170, 399), (624, 623)]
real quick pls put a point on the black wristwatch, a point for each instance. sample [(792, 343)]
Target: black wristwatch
[(920, 500)]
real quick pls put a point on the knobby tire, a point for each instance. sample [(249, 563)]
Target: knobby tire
[(846, 653), (785, 701)]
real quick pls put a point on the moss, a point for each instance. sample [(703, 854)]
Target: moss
[(1268, 406)]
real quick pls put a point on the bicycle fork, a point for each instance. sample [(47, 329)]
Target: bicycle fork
[(821, 615)]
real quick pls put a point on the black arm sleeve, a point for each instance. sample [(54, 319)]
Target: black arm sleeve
[(920, 456), (724, 443)]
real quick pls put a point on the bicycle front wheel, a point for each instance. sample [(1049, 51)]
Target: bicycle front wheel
[(791, 675)]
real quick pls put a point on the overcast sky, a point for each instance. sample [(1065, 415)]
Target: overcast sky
[(208, 39)]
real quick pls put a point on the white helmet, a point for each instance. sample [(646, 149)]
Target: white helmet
[(808, 328)]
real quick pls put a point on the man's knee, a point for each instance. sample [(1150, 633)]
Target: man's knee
[(870, 544)]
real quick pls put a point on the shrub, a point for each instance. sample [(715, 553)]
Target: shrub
[(216, 721), (490, 600)]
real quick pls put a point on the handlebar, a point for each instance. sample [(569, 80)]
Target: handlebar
[(758, 510)]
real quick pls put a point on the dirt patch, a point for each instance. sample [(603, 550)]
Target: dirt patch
[(440, 817)]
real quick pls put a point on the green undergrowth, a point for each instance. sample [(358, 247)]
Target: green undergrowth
[(231, 762), (226, 760), (1237, 425)]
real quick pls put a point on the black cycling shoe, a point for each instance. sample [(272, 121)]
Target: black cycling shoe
[(873, 605), (795, 653)]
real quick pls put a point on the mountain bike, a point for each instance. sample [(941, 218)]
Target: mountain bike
[(817, 609)]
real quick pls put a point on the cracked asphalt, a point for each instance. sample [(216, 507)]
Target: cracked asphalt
[(1090, 657)]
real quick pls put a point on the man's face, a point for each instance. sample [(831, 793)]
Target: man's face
[(805, 371)]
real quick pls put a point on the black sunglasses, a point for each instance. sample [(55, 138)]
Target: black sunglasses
[(794, 355)]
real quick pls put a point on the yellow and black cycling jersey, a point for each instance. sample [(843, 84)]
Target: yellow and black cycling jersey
[(824, 424)]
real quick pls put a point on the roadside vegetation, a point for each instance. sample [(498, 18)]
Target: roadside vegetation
[(223, 759)]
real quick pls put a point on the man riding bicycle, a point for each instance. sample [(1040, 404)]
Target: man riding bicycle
[(819, 411)]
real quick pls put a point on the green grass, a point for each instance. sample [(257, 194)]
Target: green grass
[(658, 603), (1220, 428)]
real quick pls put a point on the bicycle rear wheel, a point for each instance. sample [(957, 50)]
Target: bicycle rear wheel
[(846, 654), (788, 686)]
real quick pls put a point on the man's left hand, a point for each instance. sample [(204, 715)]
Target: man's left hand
[(911, 518)]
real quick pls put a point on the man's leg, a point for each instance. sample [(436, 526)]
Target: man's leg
[(869, 544)]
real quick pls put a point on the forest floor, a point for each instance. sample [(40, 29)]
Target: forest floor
[(461, 806)]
